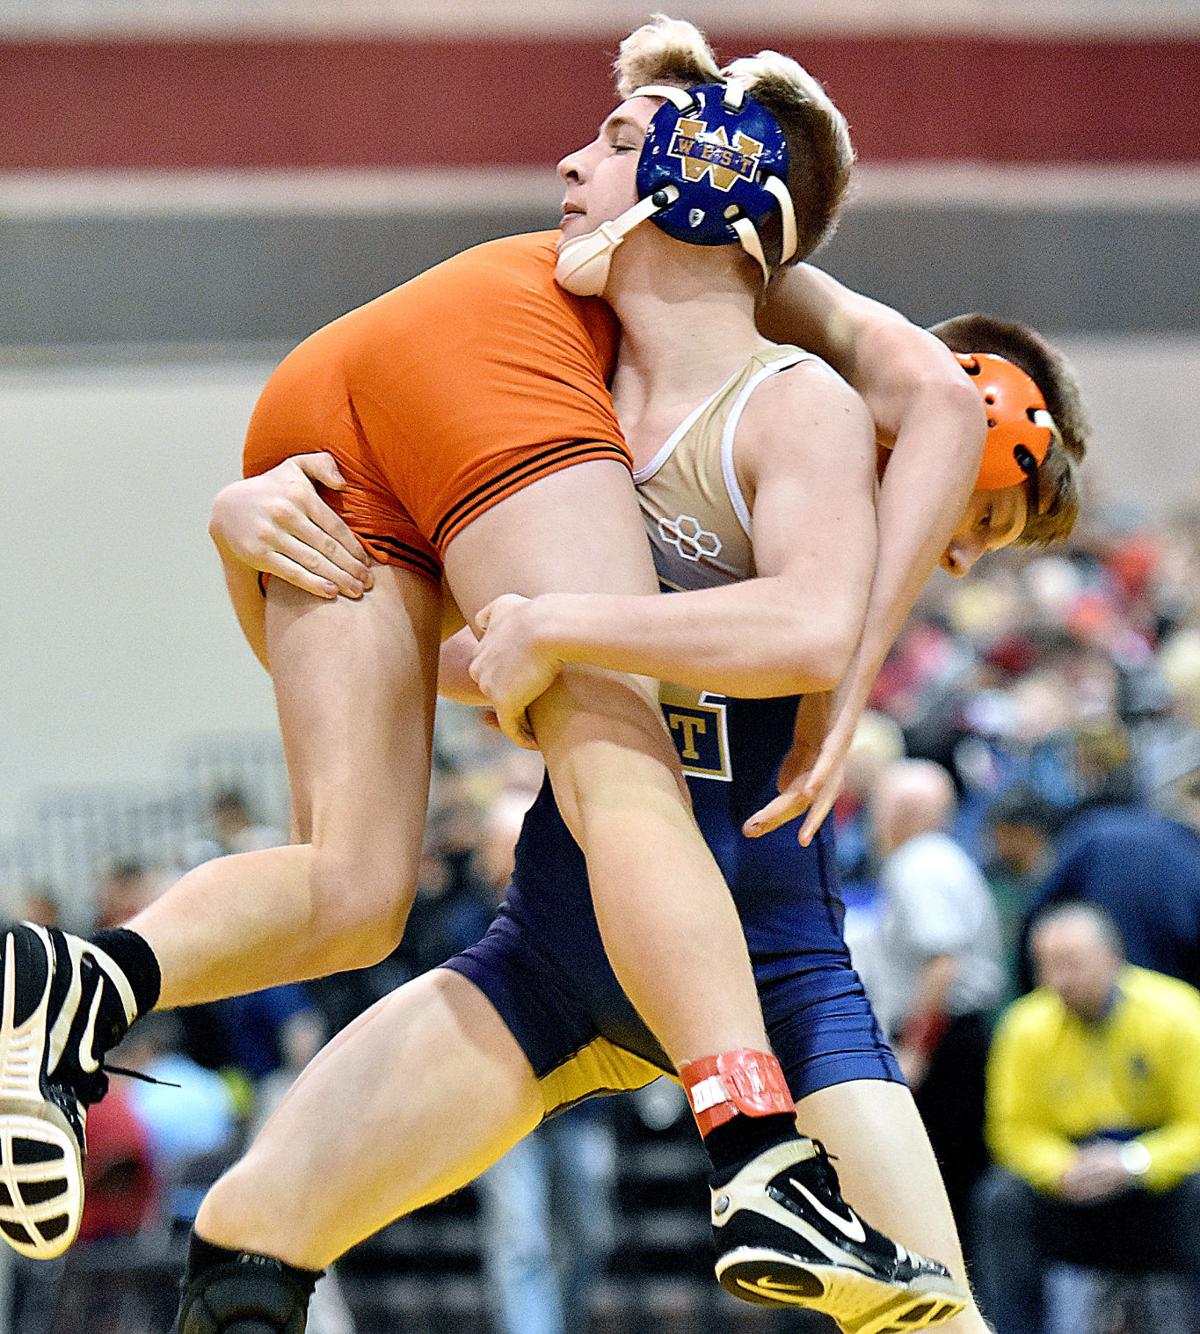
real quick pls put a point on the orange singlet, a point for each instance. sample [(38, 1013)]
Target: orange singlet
[(446, 395)]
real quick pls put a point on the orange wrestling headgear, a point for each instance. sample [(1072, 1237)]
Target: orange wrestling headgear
[(1020, 429)]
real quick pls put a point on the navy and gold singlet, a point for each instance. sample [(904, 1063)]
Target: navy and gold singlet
[(542, 963)]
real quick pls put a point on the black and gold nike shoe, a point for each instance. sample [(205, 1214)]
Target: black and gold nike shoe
[(786, 1237)]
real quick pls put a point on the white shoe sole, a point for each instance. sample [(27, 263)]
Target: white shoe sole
[(41, 1165), (859, 1303)]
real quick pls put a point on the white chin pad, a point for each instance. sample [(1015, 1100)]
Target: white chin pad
[(583, 263)]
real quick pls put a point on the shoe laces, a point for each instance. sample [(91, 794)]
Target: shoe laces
[(92, 1087), (139, 1075), (824, 1167)]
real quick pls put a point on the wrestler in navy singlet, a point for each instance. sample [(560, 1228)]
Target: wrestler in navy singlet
[(542, 963)]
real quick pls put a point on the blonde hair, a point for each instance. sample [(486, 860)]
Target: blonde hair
[(821, 156), (665, 50)]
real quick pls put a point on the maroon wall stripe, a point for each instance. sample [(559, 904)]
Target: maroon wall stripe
[(405, 103)]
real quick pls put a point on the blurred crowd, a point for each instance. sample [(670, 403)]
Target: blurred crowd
[(1022, 813), (1033, 745)]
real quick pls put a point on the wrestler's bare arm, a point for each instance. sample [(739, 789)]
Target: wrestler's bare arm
[(277, 523), (253, 525), (805, 457), (892, 362), (932, 416), (923, 407)]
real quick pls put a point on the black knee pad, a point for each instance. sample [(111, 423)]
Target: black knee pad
[(252, 1295)]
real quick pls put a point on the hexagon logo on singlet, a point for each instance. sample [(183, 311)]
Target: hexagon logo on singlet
[(688, 536)]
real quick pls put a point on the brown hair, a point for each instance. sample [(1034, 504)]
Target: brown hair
[(820, 153), (1053, 490)]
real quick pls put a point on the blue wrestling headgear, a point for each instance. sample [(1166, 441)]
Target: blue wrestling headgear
[(712, 170)]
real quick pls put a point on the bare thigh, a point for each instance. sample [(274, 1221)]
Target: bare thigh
[(888, 1170), (355, 685), (664, 912), (578, 530), (410, 1102)]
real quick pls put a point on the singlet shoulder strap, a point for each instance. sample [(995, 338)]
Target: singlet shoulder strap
[(785, 360), (671, 443)]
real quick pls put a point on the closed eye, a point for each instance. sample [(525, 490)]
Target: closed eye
[(623, 133)]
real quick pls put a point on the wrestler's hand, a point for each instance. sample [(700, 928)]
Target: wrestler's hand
[(512, 666), (813, 772), (278, 523)]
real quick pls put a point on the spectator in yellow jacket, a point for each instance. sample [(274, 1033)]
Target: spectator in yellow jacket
[(1093, 1119)]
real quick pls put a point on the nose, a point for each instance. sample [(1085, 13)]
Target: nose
[(570, 168), (959, 560)]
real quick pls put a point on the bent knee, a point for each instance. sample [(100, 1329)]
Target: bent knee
[(598, 729), (597, 691), (359, 907)]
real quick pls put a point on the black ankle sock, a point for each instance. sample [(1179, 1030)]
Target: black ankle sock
[(204, 1255), (136, 960), (730, 1145)]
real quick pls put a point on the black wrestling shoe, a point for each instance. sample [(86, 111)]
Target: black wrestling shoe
[(92, 1005), (41, 1130), (785, 1237), (63, 1003), (248, 1294)]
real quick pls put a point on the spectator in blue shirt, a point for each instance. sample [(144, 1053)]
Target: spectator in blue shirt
[(1141, 867)]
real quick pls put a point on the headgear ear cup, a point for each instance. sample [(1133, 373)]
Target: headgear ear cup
[(712, 169), (1020, 429), (727, 156)]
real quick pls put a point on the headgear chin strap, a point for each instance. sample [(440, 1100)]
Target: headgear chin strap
[(712, 169), (583, 261), (1020, 429)]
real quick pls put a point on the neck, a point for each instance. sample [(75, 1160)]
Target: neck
[(1094, 1015), (687, 324)]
